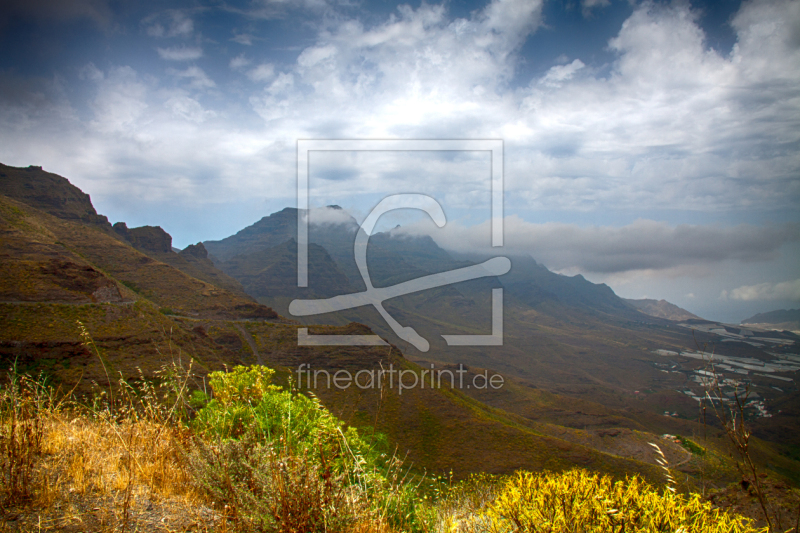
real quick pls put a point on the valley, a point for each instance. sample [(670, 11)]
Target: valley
[(589, 379)]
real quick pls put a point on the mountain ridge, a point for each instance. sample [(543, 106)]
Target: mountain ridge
[(662, 309)]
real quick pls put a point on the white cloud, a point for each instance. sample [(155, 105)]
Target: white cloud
[(120, 101), (171, 23), (262, 72), (560, 73), (196, 75), (244, 39), (329, 215), (668, 125), (278, 9), (91, 72), (180, 53), (672, 124), (188, 108), (787, 290), (239, 62)]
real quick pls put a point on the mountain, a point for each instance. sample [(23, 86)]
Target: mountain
[(784, 319), (662, 309), (272, 272), (63, 269), (575, 357), (387, 265)]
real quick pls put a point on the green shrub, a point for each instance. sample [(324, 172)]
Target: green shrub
[(691, 446), (246, 385), (279, 460)]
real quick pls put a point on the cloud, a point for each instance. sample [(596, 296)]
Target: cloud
[(329, 215), (188, 108), (196, 75), (588, 5), (278, 9), (787, 291), (244, 39), (667, 126), (239, 62), (91, 72), (120, 101), (262, 72), (180, 53), (641, 245), (560, 73), (171, 23)]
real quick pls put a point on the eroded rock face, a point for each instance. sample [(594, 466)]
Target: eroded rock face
[(82, 279), (122, 230), (151, 238), (106, 294), (195, 250)]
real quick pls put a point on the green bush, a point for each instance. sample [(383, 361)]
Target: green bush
[(691, 446), (279, 460)]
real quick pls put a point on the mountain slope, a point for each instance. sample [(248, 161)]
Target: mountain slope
[(662, 309), (68, 226), (784, 319), (272, 272)]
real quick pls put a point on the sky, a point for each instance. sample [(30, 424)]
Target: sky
[(652, 146)]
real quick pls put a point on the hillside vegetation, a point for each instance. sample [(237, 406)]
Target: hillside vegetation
[(247, 455)]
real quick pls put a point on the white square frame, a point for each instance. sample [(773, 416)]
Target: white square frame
[(493, 146)]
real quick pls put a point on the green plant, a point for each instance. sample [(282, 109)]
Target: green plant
[(691, 446), (276, 459)]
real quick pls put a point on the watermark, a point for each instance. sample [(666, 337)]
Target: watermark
[(402, 379), (376, 296)]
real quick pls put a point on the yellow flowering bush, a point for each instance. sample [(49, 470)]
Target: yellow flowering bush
[(578, 501)]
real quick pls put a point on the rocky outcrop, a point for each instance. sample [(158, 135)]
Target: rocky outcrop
[(49, 192), (197, 251), (150, 238)]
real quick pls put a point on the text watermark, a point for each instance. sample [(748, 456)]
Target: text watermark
[(403, 379)]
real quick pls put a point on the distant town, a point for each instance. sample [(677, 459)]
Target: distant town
[(726, 379)]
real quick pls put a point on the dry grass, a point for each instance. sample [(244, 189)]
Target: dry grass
[(91, 470), (125, 461)]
